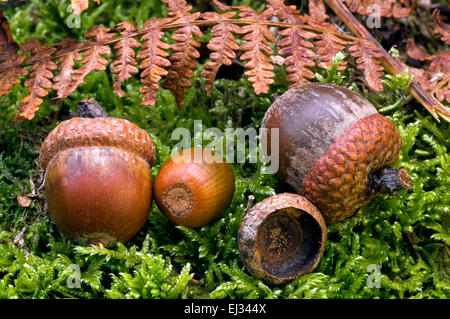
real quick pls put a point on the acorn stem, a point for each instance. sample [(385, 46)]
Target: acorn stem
[(388, 180), (90, 108), (251, 198)]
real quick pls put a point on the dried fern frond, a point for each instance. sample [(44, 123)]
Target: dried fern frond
[(299, 54), (222, 44), (256, 49), (10, 61), (367, 56), (40, 77), (79, 6), (294, 44), (327, 43), (153, 59), (381, 8), (434, 78), (124, 67), (441, 28), (92, 57), (69, 55), (304, 41), (185, 54)]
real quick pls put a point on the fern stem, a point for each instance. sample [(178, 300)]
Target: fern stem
[(392, 65)]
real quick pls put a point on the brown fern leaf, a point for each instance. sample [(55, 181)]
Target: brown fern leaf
[(404, 9), (299, 55), (441, 28), (414, 52), (125, 64), (381, 8), (317, 12), (183, 61), (185, 54), (10, 69), (287, 14), (327, 43), (367, 55), (257, 50), (39, 80), (178, 9), (69, 55), (154, 59), (79, 6), (442, 89), (93, 60), (223, 45), (294, 44), (435, 78), (10, 61), (421, 76)]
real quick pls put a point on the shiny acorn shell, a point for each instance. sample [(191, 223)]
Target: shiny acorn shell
[(98, 183), (282, 238), (330, 142), (194, 187)]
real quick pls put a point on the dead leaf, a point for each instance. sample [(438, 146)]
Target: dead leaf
[(24, 201)]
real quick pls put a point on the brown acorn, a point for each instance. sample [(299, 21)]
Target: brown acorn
[(194, 188), (334, 148), (98, 183), (282, 238)]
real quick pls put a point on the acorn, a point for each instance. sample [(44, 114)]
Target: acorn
[(335, 149), (281, 238), (194, 187), (98, 183)]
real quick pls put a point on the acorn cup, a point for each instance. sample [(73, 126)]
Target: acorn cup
[(194, 187), (98, 183), (334, 148), (282, 238)]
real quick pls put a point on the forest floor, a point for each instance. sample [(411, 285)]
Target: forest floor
[(167, 261)]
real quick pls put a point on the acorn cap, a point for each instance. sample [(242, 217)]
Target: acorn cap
[(281, 238), (339, 181), (97, 132)]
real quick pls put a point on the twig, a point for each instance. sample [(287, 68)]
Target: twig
[(20, 242), (251, 198)]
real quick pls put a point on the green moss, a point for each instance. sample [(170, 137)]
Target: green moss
[(164, 261)]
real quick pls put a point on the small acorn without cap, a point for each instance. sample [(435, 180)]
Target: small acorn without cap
[(282, 238), (335, 148), (98, 183), (194, 187)]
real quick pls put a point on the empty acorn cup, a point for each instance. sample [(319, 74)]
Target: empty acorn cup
[(282, 238)]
